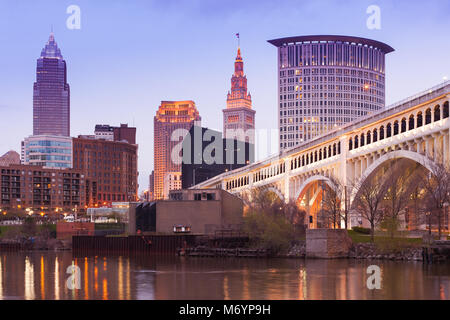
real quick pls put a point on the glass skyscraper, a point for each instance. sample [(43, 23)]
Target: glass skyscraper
[(51, 93)]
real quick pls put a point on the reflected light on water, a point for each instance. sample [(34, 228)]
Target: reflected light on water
[(105, 289), (120, 274), (245, 290), (1, 279), (302, 284), (128, 280), (57, 294), (29, 279), (86, 278), (226, 290), (96, 279), (42, 278)]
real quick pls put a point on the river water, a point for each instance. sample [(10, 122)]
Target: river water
[(43, 275)]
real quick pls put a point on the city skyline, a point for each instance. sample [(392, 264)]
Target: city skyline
[(94, 48)]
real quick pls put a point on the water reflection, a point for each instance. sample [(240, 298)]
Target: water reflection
[(43, 276)]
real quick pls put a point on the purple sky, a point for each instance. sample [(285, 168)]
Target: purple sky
[(130, 55)]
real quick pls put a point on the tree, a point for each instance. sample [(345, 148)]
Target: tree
[(436, 195), (370, 194), (332, 203), (400, 181), (270, 222)]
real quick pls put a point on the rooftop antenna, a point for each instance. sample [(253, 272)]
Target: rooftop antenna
[(239, 40)]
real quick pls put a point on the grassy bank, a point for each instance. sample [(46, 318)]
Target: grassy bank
[(385, 243)]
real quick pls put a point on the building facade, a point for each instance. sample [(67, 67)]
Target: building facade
[(47, 151), (11, 157), (51, 93), (110, 168), (41, 189), (125, 133), (172, 181), (151, 186), (199, 211), (325, 82), (104, 131), (226, 155), (239, 117), (172, 117)]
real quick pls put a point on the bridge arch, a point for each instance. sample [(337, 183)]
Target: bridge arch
[(301, 190), (274, 190), (411, 155)]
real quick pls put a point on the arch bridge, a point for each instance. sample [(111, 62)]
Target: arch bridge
[(416, 128)]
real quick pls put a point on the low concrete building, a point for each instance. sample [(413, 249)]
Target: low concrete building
[(189, 210)]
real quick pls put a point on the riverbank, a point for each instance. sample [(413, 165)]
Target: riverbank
[(35, 244)]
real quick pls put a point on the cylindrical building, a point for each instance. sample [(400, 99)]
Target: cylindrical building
[(325, 81)]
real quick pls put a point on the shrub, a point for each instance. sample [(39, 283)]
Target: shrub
[(273, 233), (361, 230)]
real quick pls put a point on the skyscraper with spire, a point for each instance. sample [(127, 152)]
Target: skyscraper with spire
[(51, 93), (239, 117)]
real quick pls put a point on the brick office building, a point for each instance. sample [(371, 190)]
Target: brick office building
[(110, 168)]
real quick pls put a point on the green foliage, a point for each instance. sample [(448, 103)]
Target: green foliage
[(271, 232), (361, 230)]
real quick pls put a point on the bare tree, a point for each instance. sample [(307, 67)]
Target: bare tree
[(368, 200), (259, 200), (332, 198), (400, 180), (436, 195)]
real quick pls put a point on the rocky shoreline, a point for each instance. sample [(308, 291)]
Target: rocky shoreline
[(371, 251)]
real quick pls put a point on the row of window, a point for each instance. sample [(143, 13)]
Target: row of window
[(399, 126)]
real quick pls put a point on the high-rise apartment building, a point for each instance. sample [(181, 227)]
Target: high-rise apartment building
[(325, 81), (51, 93), (171, 115), (40, 189), (239, 117)]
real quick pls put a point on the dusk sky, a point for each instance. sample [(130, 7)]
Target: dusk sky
[(130, 55)]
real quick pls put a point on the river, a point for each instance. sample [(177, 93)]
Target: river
[(43, 275)]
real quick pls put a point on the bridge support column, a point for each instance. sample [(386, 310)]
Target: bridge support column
[(446, 148), (287, 186), (438, 150), (419, 145), (427, 147)]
